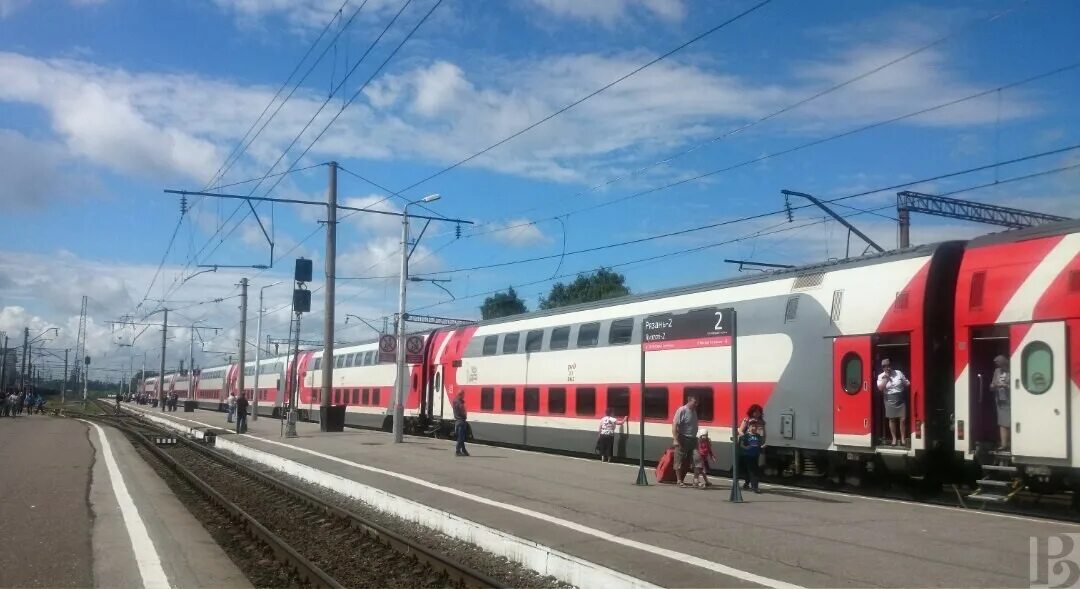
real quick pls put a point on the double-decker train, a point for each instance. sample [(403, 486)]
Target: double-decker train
[(810, 340)]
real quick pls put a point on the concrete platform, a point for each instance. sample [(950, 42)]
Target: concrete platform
[(81, 508), (669, 536)]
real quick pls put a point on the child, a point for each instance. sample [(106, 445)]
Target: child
[(702, 458)]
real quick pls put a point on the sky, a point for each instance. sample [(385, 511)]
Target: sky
[(558, 129)]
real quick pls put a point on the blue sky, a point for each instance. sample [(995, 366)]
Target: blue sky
[(107, 102)]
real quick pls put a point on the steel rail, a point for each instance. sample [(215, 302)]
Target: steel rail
[(458, 573)]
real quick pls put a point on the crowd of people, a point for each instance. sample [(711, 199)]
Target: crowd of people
[(17, 402)]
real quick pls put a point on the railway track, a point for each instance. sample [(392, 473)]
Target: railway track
[(310, 541)]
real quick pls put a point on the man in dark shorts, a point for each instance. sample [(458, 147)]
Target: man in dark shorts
[(684, 429)]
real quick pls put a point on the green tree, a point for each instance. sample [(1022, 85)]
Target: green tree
[(503, 304), (602, 284)]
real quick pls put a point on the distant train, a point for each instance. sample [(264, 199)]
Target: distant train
[(811, 340)]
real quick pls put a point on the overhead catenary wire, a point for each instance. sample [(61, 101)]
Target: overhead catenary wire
[(787, 151), (745, 218), (781, 111)]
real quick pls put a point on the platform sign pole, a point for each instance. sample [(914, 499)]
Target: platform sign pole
[(736, 492), (642, 479)]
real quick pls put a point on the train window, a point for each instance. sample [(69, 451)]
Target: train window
[(851, 371), (978, 283), (704, 401), (618, 400), (375, 397), (365, 397), (534, 340), (369, 358), (510, 343), (487, 399), (532, 400), (655, 404), (508, 402), (588, 335), (350, 361), (585, 401), (355, 396), (557, 401), (339, 361), (415, 381), (491, 345), (318, 363), (560, 338), (621, 332), (1037, 367)]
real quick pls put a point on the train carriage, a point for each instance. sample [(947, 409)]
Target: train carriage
[(211, 390), (1018, 295), (809, 340)]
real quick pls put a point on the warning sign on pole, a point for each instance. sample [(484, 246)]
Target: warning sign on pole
[(414, 349), (387, 348)]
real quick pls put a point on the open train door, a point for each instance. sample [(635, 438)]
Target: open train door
[(852, 396), (1040, 391)]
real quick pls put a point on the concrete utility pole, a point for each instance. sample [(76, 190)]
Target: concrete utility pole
[(401, 380), (63, 387), (243, 332), (161, 374), (191, 365), (25, 348), (258, 348), (328, 315), (85, 378), (3, 366)]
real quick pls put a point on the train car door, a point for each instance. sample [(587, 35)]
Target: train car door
[(852, 396), (1040, 391)]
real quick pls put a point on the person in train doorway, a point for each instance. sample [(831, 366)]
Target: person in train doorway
[(230, 408), (605, 440), (751, 442), (684, 429), (999, 386), (241, 414), (461, 418), (894, 385)]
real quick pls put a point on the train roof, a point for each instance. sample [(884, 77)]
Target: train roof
[(1036, 232), (820, 267)]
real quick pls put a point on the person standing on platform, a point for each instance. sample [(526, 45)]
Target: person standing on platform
[(230, 408), (461, 417), (684, 428), (751, 441), (999, 386), (241, 413), (605, 442), (893, 384)]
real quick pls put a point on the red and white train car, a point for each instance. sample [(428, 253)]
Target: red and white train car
[(1018, 295)]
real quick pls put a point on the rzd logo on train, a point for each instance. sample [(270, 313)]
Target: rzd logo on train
[(1055, 562)]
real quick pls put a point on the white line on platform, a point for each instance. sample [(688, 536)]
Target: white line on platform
[(146, 556), (681, 557), (849, 496)]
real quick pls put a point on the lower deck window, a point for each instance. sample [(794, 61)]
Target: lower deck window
[(508, 401)]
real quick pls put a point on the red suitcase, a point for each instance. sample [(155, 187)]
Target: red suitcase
[(665, 468)]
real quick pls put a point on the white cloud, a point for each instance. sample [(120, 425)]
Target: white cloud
[(519, 233), (610, 12), (302, 15)]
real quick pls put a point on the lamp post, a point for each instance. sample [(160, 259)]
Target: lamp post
[(399, 385), (258, 347)]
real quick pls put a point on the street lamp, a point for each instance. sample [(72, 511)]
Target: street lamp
[(258, 347), (399, 386)]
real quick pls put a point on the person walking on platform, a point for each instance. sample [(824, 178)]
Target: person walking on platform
[(461, 418), (751, 441), (704, 456), (230, 408), (999, 386), (241, 408), (684, 428), (893, 384), (605, 441), (118, 403)]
